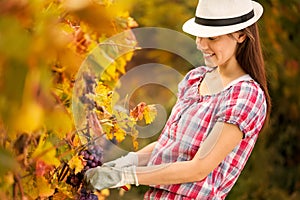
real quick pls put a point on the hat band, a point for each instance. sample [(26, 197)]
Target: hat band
[(224, 22)]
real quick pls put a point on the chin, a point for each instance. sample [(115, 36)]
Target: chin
[(210, 64)]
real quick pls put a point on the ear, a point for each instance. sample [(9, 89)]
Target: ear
[(241, 37)]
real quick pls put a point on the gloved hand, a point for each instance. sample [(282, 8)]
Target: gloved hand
[(125, 161), (110, 177)]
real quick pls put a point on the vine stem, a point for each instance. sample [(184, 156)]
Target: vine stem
[(58, 100), (17, 180)]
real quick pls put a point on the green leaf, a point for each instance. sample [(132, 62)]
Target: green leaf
[(7, 162)]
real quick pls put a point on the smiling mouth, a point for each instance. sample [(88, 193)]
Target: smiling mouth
[(208, 55)]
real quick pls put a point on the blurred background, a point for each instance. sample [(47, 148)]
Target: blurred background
[(43, 43)]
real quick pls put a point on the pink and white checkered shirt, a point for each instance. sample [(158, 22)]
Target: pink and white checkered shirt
[(242, 103)]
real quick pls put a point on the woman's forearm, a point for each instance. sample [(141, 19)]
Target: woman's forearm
[(172, 173)]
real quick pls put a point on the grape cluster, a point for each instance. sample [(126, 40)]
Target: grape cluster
[(85, 195), (75, 179), (93, 156)]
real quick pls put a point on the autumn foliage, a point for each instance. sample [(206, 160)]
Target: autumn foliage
[(51, 110), (42, 47)]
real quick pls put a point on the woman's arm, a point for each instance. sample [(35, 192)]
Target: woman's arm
[(228, 137)]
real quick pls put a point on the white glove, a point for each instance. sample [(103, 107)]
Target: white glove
[(125, 161), (110, 177)]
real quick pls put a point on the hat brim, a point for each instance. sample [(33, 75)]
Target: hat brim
[(195, 29)]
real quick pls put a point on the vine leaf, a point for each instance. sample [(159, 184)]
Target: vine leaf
[(149, 113), (144, 111), (76, 164), (60, 122), (46, 152), (31, 118), (30, 187), (119, 134), (137, 112), (44, 187)]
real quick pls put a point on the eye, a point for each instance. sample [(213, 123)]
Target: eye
[(212, 38)]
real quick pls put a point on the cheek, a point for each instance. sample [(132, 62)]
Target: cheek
[(225, 52)]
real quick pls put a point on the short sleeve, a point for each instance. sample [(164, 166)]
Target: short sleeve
[(245, 106)]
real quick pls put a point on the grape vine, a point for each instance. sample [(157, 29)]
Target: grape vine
[(45, 154), (91, 157)]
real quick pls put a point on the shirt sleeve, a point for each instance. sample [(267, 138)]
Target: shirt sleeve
[(244, 106), (192, 77)]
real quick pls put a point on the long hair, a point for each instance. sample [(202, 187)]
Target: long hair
[(249, 56)]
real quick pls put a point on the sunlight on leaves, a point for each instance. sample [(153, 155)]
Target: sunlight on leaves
[(149, 113), (44, 187), (46, 152), (76, 164)]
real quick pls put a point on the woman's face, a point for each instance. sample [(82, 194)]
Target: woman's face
[(219, 51)]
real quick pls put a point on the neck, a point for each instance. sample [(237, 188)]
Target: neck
[(231, 70)]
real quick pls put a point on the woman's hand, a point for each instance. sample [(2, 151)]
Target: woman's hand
[(109, 177)]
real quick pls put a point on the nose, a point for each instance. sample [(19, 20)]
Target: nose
[(201, 43)]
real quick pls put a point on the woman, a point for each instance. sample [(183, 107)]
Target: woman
[(220, 111)]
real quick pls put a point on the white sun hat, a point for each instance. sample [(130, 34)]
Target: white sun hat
[(220, 17)]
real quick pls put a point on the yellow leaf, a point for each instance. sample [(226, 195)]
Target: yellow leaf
[(119, 134), (46, 152), (44, 187), (7, 181), (60, 122), (76, 142), (134, 135), (29, 187), (110, 72), (105, 192), (103, 96), (149, 113), (135, 144), (31, 117), (76, 163), (76, 4), (60, 196)]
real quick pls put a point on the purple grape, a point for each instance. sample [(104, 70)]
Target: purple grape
[(84, 195), (86, 155), (75, 179), (93, 165), (96, 159), (93, 197), (89, 162), (91, 157)]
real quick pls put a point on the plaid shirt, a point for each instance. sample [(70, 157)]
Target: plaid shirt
[(192, 118)]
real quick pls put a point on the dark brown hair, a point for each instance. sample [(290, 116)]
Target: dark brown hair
[(249, 56)]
